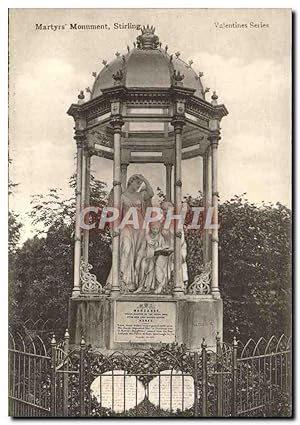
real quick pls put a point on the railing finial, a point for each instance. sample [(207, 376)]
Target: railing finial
[(53, 340), (82, 342)]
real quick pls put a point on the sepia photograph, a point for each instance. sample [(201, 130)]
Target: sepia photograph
[(150, 221)]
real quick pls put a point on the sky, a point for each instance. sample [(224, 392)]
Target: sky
[(248, 67)]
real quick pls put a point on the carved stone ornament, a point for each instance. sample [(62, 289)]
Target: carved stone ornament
[(115, 108), (101, 138), (118, 77), (201, 283), (89, 283)]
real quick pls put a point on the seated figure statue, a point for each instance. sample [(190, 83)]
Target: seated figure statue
[(166, 263), (152, 248)]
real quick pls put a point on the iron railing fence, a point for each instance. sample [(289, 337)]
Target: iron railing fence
[(29, 376), (62, 381), (44, 328)]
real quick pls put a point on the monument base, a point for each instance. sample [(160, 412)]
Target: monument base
[(137, 322)]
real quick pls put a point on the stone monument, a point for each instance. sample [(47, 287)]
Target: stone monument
[(145, 107)]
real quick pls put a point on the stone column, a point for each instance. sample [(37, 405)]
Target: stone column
[(116, 123), (178, 124), (124, 167), (207, 200), (80, 140), (168, 182), (204, 196), (214, 140), (86, 204)]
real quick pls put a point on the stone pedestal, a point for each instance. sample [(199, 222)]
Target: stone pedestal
[(137, 322)]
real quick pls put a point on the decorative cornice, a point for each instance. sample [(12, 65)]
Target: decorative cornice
[(202, 108), (148, 96)]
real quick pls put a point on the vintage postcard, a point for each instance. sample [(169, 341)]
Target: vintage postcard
[(150, 213)]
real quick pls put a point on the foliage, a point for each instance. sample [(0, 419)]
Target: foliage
[(44, 268), (53, 208), (255, 268), (14, 229), (194, 238)]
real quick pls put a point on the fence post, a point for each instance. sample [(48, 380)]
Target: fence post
[(204, 378), (82, 378), (234, 378), (219, 376), (196, 385), (66, 374), (53, 377)]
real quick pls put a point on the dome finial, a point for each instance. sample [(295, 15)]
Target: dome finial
[(177, 78), (147, 40), (206, 90), (80, 97), (214, 99), (118, 77)]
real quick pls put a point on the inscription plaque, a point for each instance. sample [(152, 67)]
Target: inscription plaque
[(118, 391), (145, 322), (172, 391)]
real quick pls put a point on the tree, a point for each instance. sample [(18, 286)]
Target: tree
[(44, 266), (14, 228), (255, 268)]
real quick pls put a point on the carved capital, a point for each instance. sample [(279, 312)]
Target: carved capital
[(178, 183), (216, 240), (178, 235), (115, 233), (124, 166), (215, 194), (117, 123), (214, 138), (91, 151), (178, 123), (116, 183), (80, 137)]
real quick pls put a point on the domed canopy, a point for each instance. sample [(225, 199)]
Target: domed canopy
[(147, 65)]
